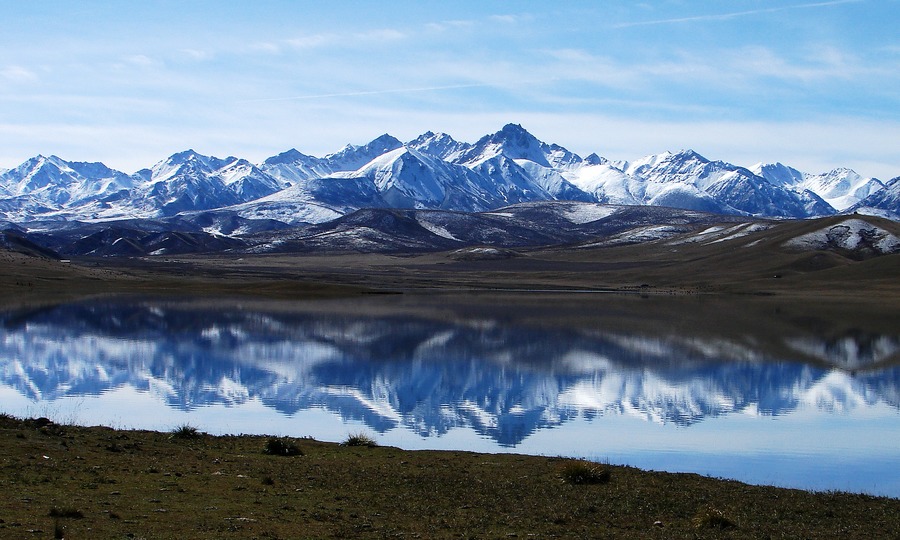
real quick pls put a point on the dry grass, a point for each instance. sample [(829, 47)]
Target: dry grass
[(226, 487), (584, 472), (360, 439)]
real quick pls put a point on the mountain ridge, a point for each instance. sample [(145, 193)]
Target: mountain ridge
[(433, 171)]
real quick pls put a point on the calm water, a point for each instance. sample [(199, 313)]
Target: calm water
[(764, 393)]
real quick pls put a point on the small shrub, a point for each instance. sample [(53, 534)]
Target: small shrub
[(360, 439), (282, 446), (185, 431), (712, 518), (268, 481), (584, 472), (70, 513)]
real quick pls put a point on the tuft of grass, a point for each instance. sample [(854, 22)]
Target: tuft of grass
[(584, 472), (185, 431), (65, 512), (360, 439), (281, 446), (712, 518)]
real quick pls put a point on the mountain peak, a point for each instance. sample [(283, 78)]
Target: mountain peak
[(439, 145), (514, 129), (289, 156), (688, 154), (517, 135), (351, 158), (512, 141), (387, 141), (183, 156), (594, 159), (777, 173)]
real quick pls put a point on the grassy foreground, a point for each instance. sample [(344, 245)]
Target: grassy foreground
[(94, 482)]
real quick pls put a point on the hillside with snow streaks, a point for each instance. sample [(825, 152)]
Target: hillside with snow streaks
[(852, 235), (432, 171)]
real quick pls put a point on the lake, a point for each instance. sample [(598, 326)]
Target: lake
[(763, 390)]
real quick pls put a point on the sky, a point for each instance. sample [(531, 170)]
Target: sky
[(812, 84)]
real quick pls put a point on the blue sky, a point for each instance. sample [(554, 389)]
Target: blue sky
[(813, 84)]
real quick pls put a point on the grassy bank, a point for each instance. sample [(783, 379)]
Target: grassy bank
[(95, 482)]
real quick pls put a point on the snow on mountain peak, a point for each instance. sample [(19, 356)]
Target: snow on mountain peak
[(594, 159), (185, 156), (287, 157), (514, 142), (439, 144), (433, 170), (777, 173), (841, 187), (351, 158)]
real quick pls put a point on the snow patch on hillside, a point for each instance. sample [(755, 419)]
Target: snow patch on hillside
[(587, 213), (718, 233), (850, 234), (638, 235), (434, 228)]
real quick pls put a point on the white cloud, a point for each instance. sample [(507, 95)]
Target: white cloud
[(312, 41), (381, 34), (321, 40), (142, 61), (819, 63), (454, 25), (198, 54), (732, 14), (264, 47), (18, 74), (511, 18), (408, 90)]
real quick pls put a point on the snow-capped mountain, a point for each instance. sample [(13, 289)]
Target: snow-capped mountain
[(884, 202), (190, 181), (439, 145), (47, 185), (431, 171), (841, 188), (676, 179), (351, 158)]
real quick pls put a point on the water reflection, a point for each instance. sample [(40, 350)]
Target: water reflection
[(492, 370)]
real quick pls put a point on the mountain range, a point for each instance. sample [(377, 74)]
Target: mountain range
[(432, 171)]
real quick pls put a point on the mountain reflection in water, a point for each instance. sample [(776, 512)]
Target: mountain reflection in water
[(502, 377)]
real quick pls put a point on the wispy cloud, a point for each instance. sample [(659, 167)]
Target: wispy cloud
[(142, 61), (443, 26), (511, 18), (197, 54), (17, 74), (369, 92), (312, 41), (733, 14)]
